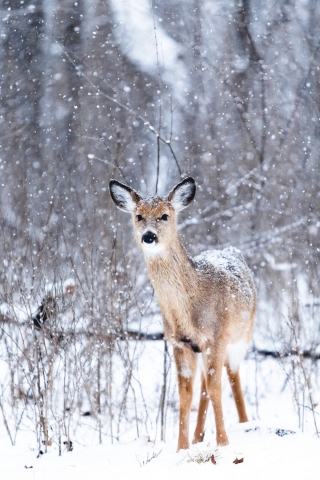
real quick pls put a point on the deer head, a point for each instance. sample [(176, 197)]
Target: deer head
[(154, 217)]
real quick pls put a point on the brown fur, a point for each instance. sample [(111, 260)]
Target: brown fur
[(203, 306)]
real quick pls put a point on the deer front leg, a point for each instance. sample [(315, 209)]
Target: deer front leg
[(214, 372), (202, 412), (186, 363)]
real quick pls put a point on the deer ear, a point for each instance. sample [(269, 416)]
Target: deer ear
[(182, 194), (123, 196)]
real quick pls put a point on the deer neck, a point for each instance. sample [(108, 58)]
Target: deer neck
[(175, 283)]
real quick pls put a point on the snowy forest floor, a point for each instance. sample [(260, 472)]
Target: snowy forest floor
[(265, 454), (271, 444)]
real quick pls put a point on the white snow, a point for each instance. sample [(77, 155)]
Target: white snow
[(268, 445), (222, 259), (230, 262), (266, 455)]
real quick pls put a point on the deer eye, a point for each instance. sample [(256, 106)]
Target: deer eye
[(139, 218), (164, 217)]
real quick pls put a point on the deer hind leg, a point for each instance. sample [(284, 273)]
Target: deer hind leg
[(234, 379), (214, 372), (202, 412), (186, 363)]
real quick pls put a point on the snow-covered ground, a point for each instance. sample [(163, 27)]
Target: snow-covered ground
[(266, 455), (272, 444)]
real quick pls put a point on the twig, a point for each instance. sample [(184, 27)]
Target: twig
[(159, 93), (120, 104), (158, 163), (164, 391), (306, 377)]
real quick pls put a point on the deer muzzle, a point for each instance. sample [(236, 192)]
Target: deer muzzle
[(149, 237)]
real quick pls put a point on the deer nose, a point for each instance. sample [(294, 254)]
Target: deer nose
[(149, 237)]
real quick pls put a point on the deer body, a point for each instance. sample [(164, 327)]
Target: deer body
[(208, 303)]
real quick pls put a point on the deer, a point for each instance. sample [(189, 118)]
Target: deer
[(208, 303)]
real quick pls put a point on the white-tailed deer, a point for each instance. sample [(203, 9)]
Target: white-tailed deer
[(208, 303)]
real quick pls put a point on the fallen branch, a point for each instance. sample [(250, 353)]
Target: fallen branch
[(290, 353), (121, 335)]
